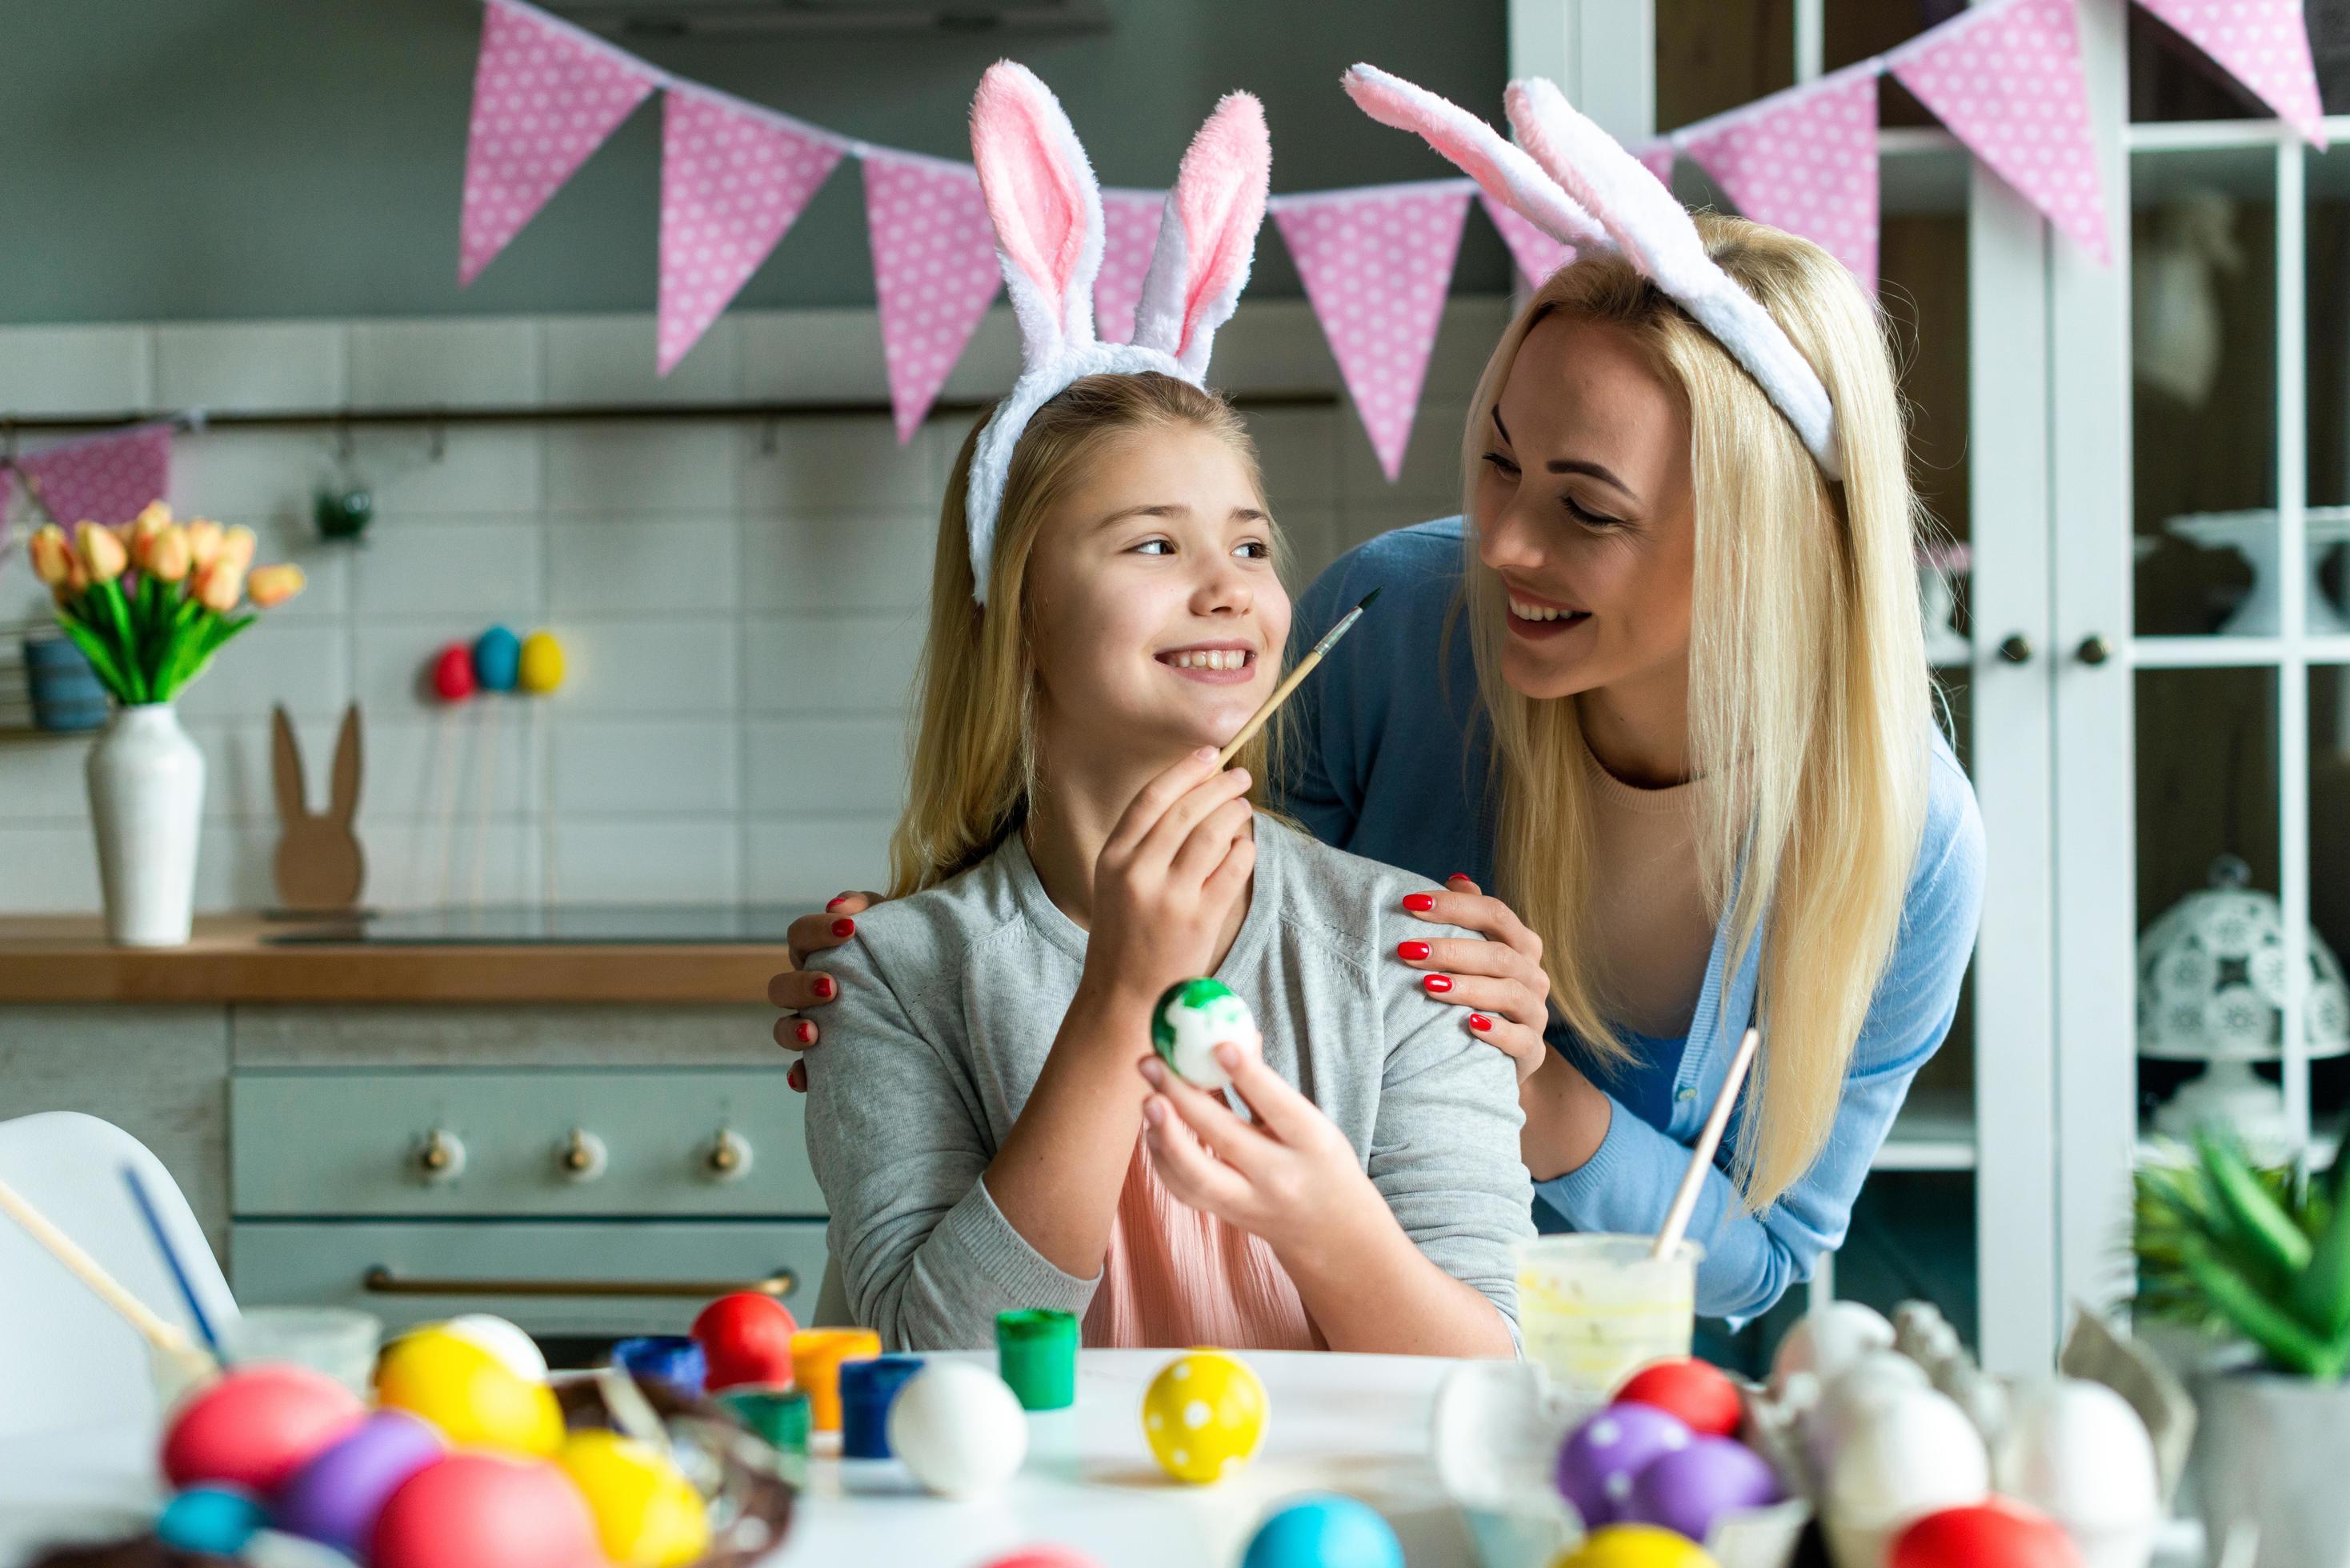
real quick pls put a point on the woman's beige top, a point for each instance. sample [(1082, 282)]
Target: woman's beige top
[(1655, 932)]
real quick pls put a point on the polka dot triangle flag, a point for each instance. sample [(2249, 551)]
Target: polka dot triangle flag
[(1129, 234), (1805, 161), (934, 272), (732, 184), (2006, 80), (1658, 158), (546, 95), (1537, 254), (1376, 264), (101, 479), (2264, 44)]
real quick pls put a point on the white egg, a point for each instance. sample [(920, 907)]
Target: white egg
[(1198, 1028), (509, 1344), (1877, 1379), (959, 1428), (1911, 1456), (1829, 1339), (2078, 1451)]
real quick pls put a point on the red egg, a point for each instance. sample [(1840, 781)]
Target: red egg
[(746, 1338), (1043, 1557), (480, 1510), (452, 672), (255, 1425), (1700, 1394), (1994, 1535)]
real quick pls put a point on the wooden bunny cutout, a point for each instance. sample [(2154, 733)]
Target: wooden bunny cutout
[(318, 866)]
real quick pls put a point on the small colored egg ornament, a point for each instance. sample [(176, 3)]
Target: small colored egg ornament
[(539, 667), (503, 1339), (1600, 1458), (1192, 1018), (1995, 1534), (1691, 1490), (335, 1498), (213, 1520), (1204, 1415), (1043, 1557), (959, 1428), (1828, 1339), (480, 1510), (1699, 1393), (468, 1394), (453, 673), (1635, 1546), (254, 1426), (497, 659), (647, 1513), (746, 1338), (1324, 1530)]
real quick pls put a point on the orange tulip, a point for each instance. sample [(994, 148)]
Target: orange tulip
[(273, 586), (102, 552), (52, 554), (203, 541), (236, 546), (219, 586), (145, 529), (167, 555)]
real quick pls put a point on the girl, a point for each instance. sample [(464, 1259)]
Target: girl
[(1106, 611)]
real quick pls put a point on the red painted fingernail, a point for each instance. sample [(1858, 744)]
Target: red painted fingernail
[(804, 1032), (1411, 952), (1420, 903), (836, 903), (1438, 983), (1461, 877), (797, 1076), (1479, 1021), (844, 928), (824, 988)]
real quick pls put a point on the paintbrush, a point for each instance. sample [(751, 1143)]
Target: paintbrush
[(170, 1254), (1289, 682), (168, 1338), (1676, 1218)]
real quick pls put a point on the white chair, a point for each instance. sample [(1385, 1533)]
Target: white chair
[(65, 1359)]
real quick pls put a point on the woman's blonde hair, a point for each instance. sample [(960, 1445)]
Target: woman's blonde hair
[(974, 741), (1809, 701)]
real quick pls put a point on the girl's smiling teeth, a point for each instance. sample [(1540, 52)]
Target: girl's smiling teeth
[(1220, 664)]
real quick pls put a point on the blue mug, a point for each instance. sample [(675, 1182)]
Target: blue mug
[(65, 689)]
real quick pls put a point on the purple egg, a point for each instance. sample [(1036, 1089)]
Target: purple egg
[(1688, 1490), (335, 1498), (1598, 1462)]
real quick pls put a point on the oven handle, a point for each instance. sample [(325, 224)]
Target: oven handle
[(383, 1281)]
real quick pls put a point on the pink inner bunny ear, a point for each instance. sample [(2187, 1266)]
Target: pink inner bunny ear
[(1503, 172), (1040, 190), (1219, 198)]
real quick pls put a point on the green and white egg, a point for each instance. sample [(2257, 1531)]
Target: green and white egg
[(1192, 1018)]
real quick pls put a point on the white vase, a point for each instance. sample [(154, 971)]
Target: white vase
[(2268, 1459), (145, 798)]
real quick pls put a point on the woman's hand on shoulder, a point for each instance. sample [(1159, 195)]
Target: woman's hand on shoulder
[(1169, 875), (1497, 975), (798, 988)]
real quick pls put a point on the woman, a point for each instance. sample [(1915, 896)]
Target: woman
[(1663, 689)]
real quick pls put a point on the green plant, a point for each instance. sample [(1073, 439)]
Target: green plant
[(2242, 1252)]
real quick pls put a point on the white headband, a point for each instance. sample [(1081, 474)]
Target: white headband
[(1046, 207), (1574, 183)]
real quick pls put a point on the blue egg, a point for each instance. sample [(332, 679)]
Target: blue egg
[(497, 659), (1324, 1530), (213, 1519)]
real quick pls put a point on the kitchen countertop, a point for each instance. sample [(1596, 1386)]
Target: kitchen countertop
[(66, 959)]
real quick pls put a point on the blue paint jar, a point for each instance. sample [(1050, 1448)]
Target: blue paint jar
[(867, 1389), (65, 689), (672, 1360)]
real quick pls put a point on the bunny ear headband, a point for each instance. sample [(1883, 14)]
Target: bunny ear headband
[(1046, 207), (1571, 179)]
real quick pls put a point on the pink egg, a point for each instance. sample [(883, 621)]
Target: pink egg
[(335, 1496), (1043, 1557), (255, 1425), (480, 1510)]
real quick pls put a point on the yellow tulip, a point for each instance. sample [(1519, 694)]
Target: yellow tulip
[(144, 530), (101, 552), (52, 554), (236, 546), (219, 586), (273, 586), (167, 555), (203, 541)]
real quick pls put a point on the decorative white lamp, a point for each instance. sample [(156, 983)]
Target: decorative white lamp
[(2211, 988)]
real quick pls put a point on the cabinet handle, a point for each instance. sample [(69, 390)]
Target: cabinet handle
[(2093, 649), (728, 1157), (582, 1157), (2016, 649), (441, 1156), (382, 1282)]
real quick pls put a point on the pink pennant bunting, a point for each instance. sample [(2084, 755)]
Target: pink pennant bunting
[(101, 479), (732, 185), (2264, 44), (1537, 254), (1805, 161), (934, 271), (546, 95), (1130, 232), (7, 495), (1658, 158), (2006, 80), (1375, 265)]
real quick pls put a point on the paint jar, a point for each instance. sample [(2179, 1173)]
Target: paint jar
[(817, 1356), (1595, 1309), (1037, 1353), (65, 691), (672, 1360), (780, 1417), (867, 1389), (340, 1342)]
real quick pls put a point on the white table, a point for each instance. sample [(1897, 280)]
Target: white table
[(1355, 1424)]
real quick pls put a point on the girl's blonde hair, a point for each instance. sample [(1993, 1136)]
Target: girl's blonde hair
[(1809, 699), (974, 741)]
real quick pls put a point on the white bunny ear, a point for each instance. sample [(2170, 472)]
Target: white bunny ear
[(1207, 237), (1504, 171), (1046, 207), (1657, 233)]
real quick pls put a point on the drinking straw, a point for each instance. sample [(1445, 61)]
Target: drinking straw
[(1676, 1218)]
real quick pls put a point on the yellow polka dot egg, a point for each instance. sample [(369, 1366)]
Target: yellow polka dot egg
[(1204, 1415)]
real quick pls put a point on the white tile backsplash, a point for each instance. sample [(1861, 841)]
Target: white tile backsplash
[(77, 369), (833, 561), (467, 363), (831, 664), (304, 664), (648, 860), (603, 767), (414, 566), (610, 359), (641, 468), (800, 861), (651, 667), (50, 865), (824, 767), (253, 365), (600, 565)]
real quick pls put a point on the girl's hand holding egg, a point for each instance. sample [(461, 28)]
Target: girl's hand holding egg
[(1169, 877)]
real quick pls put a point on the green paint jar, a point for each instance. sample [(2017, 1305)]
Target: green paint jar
[(1036, 1351)]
